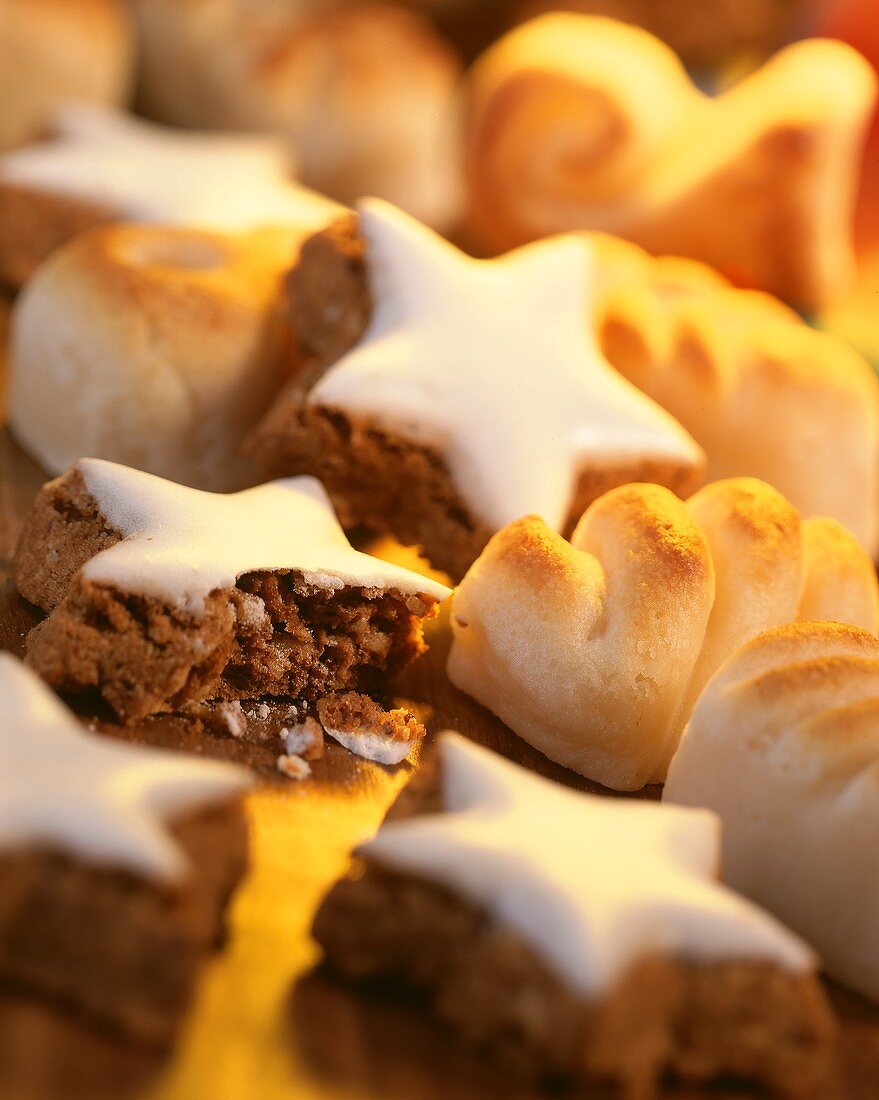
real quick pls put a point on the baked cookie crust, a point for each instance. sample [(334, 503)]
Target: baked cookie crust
[(113, 947), (272, 634), (379, 479), (699, 1022)]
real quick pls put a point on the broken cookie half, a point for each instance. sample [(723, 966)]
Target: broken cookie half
[(575, 936), (160, 596)]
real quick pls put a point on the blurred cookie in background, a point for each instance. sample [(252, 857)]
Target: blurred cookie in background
[(856, 22), (55, 51), (704, 35), (365, 91), (471, 25), (701, 34), (584, 122), (98, 165)]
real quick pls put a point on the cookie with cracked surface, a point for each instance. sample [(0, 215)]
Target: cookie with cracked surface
[(159, 596)]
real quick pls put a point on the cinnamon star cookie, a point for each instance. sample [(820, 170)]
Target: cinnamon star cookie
[(476, 395), (116, 863), (159, 596), (576, 936)]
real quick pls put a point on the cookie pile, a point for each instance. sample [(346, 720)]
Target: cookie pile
[(539, 324)]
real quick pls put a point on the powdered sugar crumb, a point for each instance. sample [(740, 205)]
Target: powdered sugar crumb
[(233, 718), (304, 739)]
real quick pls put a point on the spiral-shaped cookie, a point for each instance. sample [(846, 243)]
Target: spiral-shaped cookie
[(581, 122)]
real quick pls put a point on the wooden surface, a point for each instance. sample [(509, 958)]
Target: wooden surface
[(267, 1023)]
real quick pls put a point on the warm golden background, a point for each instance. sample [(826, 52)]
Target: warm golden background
[(266, 1025)]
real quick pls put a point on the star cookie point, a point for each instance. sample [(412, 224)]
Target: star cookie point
[(117, 862), (450, 334), (101, 799), (542, 923), (159, 595)]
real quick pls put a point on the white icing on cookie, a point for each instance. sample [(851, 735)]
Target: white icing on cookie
[(149, 173), (103, 800), (179, 544), (372, 746), (494, 364), (592, 883)]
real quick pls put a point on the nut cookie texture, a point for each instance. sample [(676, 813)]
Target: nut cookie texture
[(159, 596)]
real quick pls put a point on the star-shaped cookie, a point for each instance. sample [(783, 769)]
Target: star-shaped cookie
[(144, 172), (160, 596), (100, 799), (494, 365), (592, 883), (179, 544)]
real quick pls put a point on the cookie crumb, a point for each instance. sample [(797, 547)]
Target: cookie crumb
[(365, 728), (305, 739), (233, 719), (293, 766)]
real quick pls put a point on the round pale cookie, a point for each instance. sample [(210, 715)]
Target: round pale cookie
[(784, 746), (57, 51), (158, 348), (366, 91)]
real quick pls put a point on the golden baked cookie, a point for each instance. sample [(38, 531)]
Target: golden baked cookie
[(366, 91), (595, 651), (784, 746), (762, 392), (581, 122)]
